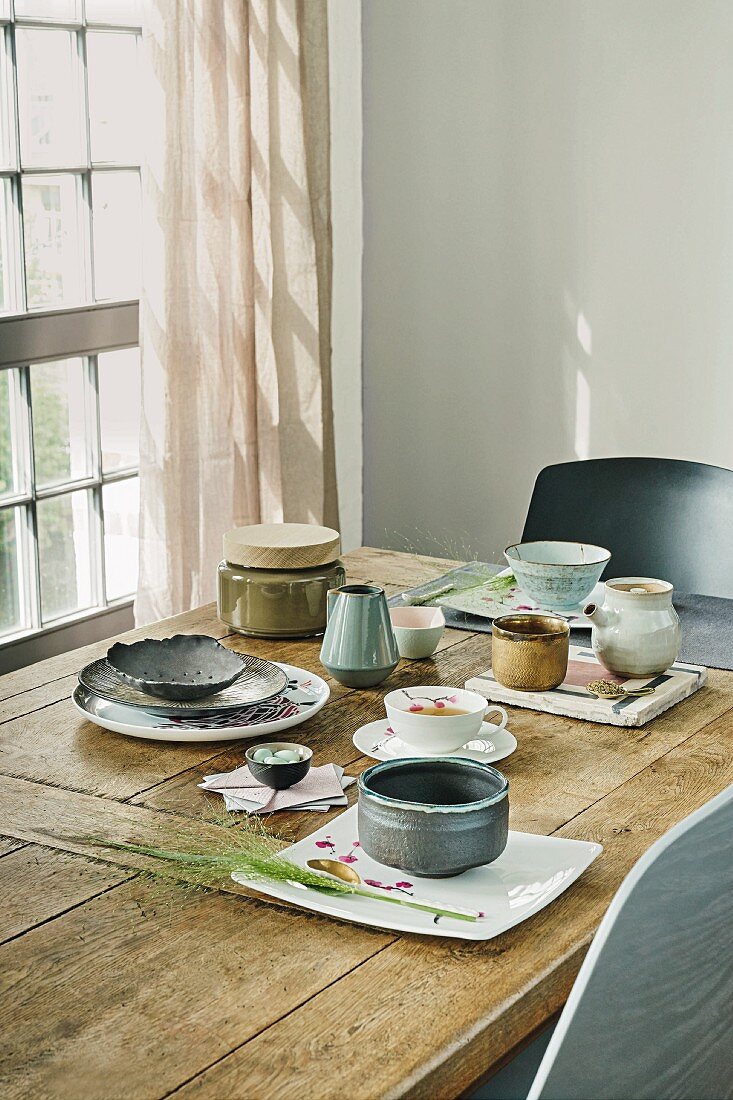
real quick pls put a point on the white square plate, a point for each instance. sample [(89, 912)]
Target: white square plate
[(531, 872)]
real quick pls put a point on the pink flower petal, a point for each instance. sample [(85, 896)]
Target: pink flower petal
[(347, 859), (439, 704), (373, 882), (403, 885), (416, 706)]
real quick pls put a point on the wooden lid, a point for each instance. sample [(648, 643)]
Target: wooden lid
[(282, 545)]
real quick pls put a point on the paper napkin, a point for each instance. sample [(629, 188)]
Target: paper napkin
[(322, 788)]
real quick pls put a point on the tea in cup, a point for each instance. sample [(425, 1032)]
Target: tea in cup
[(438, 720)]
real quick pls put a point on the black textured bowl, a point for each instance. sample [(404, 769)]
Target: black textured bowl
[(280, 776), (186, 666), (433, 816)]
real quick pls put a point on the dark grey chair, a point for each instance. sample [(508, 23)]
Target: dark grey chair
[(659, 517), (650, 1016), (651, 1011)]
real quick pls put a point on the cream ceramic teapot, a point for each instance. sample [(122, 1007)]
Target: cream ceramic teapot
[(637, 631)]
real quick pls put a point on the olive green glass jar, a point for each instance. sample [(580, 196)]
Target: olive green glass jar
[(274, 579)]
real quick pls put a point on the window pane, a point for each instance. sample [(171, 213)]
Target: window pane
[(7, 122), (65, 11), (13, 446), (54, 241), (8, 249), (49, 98), (7, 471), (121, 502), (124, 12), (61, 418), (114, 121), (64, 547), (12, 617), (116, 224), (119, 408)]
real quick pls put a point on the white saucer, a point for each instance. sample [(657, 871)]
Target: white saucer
[(377, 740)]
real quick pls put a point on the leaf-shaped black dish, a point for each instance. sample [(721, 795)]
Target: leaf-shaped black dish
[(186, 666)]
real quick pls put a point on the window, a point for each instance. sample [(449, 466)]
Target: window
[(69, 283)]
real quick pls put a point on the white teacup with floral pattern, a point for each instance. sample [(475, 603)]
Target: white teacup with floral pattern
[(437, 734)]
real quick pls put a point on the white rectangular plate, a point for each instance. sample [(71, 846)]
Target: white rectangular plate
[(532, 872)]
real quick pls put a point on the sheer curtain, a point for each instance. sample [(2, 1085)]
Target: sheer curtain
[(235, 309)]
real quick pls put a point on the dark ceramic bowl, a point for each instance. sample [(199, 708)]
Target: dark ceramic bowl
[(433, 817), (186, 666), (280, 776)]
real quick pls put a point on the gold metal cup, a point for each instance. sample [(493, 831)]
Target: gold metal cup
[(530, 652)]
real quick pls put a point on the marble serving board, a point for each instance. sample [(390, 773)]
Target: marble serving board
[(573, 698)]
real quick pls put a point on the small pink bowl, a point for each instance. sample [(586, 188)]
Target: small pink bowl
[(418, 630)]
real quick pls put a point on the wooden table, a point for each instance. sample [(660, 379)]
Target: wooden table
[(114, 985)]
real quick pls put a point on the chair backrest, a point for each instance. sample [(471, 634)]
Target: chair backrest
[(651, 1012), (659, 517)]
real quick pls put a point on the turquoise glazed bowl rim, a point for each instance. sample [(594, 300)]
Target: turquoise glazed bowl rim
[(603, 555), (428, 807)]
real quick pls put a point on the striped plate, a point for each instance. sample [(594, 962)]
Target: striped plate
[(260, 680)]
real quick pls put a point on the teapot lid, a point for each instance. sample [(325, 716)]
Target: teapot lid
[(639, 586)]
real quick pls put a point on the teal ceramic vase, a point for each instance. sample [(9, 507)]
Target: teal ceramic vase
[(359, 647)]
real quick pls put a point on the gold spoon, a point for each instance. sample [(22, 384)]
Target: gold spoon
[(335, 868), (342, 871), (606, 689)]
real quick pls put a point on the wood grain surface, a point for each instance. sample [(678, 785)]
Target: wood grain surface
[(113, 985)]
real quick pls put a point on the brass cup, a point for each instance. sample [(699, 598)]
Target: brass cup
[(530, 652)]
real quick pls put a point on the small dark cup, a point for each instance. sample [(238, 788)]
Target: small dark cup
[(280, 776), (434, 817)]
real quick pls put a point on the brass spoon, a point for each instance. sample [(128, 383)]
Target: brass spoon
[(335, 868), (347, 874), (606, 689)]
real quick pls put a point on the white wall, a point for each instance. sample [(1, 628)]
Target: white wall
[(344, 34), (548, 271)]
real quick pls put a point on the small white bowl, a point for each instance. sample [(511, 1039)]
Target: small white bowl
[(417, 630), (434, 735)]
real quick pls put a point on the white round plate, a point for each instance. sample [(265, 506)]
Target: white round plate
[(377, 740), (304, 695)]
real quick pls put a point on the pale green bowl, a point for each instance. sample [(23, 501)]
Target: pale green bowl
[(557, 575)]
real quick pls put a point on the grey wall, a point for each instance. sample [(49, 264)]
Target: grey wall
[(548, 234)]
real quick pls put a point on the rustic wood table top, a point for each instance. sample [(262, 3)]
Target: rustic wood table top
[(116, 985)]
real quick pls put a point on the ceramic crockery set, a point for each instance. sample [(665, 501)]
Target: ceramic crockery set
[(433, 808), (432, 825), (635, 630)]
